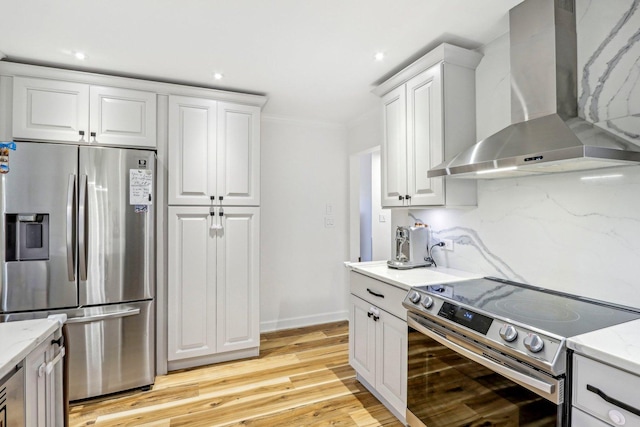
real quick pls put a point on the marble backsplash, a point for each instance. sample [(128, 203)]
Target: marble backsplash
[(576, 232), (609, 64)]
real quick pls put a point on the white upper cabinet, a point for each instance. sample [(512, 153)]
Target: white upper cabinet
[(424, 137), (394, 150), (413, 135), (238, 153), (429, 116), (52, 110), (192, 150), (122, 116), (214, 152)]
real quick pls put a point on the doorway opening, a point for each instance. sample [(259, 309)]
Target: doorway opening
[(370, 231)]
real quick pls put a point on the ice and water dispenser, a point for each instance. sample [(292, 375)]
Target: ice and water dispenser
[(27, 237)]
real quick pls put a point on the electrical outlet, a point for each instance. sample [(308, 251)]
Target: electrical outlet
[(448, 244), (328, 222)]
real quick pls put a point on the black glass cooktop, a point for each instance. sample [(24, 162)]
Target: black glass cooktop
[(557, 313)]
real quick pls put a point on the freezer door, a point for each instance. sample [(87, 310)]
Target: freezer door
[(110, 349), (38, 249), (115, 239)]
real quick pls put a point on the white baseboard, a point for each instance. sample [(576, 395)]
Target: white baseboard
[(298, 322)]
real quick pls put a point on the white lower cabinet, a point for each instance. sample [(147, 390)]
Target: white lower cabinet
[(44, 405), (581, 419), (607, 394), (213, 281), (378, 343)]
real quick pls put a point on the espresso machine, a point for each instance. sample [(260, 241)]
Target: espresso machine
[(410, 247)]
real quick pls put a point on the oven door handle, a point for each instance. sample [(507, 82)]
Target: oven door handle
[(516, 376)]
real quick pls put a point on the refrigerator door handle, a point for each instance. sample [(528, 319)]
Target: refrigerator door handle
[(105, 316), (82, 234), (71, 227)]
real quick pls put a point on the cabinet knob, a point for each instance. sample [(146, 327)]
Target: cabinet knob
[(400, 197), (93, 134), (81, 132), (408, 197)]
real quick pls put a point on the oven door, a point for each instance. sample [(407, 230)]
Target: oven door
[(454, 381)]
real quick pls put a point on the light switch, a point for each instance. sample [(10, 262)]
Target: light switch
[(329, 209), (382, 218)]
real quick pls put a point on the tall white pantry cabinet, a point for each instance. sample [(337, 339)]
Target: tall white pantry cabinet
[(213, 226)]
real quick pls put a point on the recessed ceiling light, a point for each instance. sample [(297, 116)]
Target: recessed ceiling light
[(379, 56), (217, 76), (79, 55)]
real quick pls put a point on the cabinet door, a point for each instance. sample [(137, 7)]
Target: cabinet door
[(362, 340), (50, 110), (192, 150), (238, 279), (238, 151), (391, 360), (192, 283), (122, 117), (424, 137), (36, 386), (394, 148), (581, 419)]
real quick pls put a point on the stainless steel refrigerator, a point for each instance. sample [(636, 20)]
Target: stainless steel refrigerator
[(78, 238)]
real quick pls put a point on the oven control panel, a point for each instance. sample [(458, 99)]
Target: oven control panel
[(465, 317), (507, 337)]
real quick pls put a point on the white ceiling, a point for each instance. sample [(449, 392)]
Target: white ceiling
[(312, 58)]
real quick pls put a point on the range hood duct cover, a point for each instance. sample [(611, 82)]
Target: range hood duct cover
[(546, 135)]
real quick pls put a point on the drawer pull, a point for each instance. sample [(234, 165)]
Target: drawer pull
[(375, 294), (613, 401)]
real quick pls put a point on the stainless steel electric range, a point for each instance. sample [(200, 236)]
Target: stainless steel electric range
[(491, 352)]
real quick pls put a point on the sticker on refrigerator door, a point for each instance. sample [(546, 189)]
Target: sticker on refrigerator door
[(141, 208), (140, 186), (4, 155)]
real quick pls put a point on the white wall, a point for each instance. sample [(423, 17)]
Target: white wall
[(302, 276), (365, 132), (380, 218), (558, 231)]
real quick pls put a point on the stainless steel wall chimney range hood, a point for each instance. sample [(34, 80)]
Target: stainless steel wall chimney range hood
[(546, 135)]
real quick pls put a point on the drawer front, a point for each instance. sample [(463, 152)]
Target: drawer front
[(380, 294), (580, 419), (615, 384)]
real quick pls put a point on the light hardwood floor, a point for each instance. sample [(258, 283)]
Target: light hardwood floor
[(301, 378)]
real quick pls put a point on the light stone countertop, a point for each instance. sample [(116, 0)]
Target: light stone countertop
[(18, 339), (618, 346), (406, 279)]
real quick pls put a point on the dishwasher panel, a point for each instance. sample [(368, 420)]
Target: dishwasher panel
[(12, 399)]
